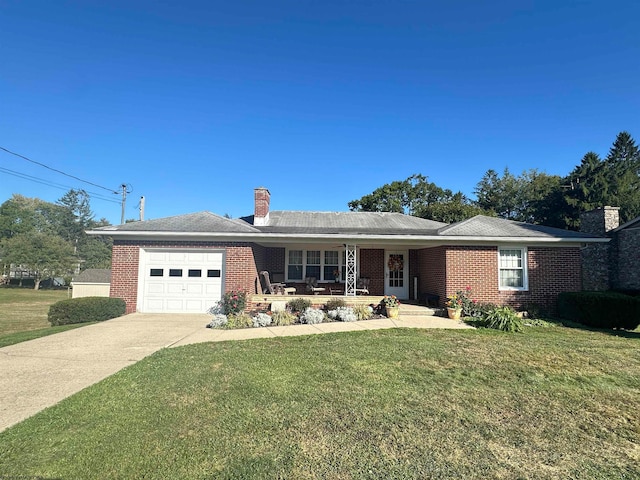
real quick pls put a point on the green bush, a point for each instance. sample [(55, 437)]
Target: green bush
[(600, 309), (363, 312), (85, 309), (299, 304), (234, 302), (239, 321), (503, 318), (334, 303), (282, 318)]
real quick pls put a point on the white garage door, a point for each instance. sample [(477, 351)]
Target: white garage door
[(180, 281)]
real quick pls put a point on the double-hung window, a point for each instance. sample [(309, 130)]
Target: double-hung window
[(294, 265), (313, 264), (321, 264), (512, 268)]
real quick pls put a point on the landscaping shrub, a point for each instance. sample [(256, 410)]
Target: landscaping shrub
[(261, 320), (85, 309), (334, 303), (219, 321), (343, 314), (503, 318), (312, 316), (363, 312), (282, 318), (239, 321), (298, 304), (234, 302), (600, 309)]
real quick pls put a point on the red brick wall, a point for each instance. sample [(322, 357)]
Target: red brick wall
[(431, 271), (445, 270), (124, 274), (241, 272), (372, 267), (550, 270)]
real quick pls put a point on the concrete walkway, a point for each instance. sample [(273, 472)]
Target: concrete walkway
[(40, 373)]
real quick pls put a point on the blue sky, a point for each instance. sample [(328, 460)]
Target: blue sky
[(196, 103)]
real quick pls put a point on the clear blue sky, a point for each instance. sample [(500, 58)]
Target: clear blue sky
[(196, 103)]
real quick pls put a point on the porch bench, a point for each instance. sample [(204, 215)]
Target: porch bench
[(430, 299)]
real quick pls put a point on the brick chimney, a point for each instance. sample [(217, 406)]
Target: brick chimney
[(600, 220), (262, 198)]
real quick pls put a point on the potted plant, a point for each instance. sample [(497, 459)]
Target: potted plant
[(391, 305), (336, 275), (454, 307)]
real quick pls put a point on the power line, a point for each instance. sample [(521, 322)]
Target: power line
[(31, 178), (59, 171)]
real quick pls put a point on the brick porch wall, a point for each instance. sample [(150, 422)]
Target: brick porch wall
[(372, 267), (241, 272), (431, 270), (445, 270)]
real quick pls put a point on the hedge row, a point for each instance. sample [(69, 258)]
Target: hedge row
[(600, 309), (85, 309)]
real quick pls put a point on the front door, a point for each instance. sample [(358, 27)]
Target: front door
[(396, 273)]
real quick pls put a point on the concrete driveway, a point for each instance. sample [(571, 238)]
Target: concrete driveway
[(39, 373)]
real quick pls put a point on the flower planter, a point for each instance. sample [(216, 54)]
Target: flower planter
[(454, 313), (392, 312)]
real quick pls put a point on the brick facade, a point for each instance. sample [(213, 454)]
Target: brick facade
[(627, 251), (440, 270), (613, 265), (241, 272), (445, 270), (598, 258)]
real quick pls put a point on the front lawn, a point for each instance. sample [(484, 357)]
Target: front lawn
[(548, 403), (23, 313)]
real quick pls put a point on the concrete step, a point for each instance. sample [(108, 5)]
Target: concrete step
[(418, 310)]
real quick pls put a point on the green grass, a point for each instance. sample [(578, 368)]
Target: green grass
[(25, 310), (545, 404)]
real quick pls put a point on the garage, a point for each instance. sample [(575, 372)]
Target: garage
[(179, 280)]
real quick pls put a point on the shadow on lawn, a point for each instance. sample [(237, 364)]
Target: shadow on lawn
[(634, 334)]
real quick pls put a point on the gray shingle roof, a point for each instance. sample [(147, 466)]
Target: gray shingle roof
[(191, 222), (355, 224), (380, 223), (93, 275), (482, 226)]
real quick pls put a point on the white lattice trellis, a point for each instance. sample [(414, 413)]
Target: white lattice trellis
[(350, 281)]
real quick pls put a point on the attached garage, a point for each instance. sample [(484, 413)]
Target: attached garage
[(175, 280)]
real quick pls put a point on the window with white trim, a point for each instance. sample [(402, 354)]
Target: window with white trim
[(294, 265), (512, 268), (321, 264)]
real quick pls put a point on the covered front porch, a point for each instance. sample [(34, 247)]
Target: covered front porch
[(340, 270)]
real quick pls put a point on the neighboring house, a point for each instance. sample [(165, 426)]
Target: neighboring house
[(616, 264), (92, 282), (185, 263)]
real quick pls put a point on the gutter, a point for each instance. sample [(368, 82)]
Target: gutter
[(433, 240)]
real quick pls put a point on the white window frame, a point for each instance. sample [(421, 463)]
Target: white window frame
[(341, 263), (524, 268)]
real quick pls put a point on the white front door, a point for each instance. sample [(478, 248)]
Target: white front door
[(396, 273)]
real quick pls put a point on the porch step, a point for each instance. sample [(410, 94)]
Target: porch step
[(418, 310)]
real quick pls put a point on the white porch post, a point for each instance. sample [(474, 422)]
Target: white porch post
[(350, 281)]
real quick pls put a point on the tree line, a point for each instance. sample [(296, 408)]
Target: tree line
[(49, 239), (533, 196)]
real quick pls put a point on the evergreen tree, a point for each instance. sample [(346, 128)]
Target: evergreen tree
[(622, 169)]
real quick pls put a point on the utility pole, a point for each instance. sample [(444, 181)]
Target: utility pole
[(125, 189)]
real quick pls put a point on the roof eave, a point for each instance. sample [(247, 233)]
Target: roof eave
[(357, 239)]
